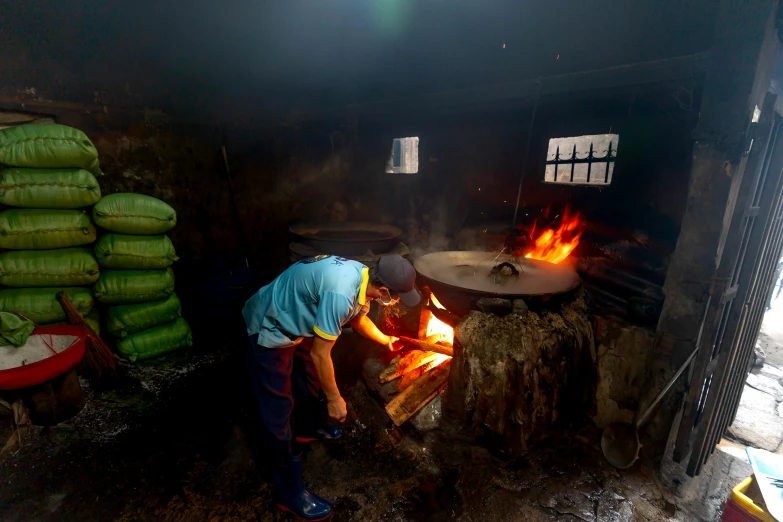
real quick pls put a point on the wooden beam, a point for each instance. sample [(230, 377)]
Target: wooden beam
[(418, 394), (651, 73), (43, 103)]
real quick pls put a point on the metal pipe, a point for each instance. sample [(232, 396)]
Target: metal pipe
[(527, 152)]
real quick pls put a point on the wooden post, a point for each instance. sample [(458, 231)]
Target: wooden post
[(741, 63)]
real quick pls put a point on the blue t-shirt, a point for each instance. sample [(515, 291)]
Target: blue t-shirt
[(315, 296)]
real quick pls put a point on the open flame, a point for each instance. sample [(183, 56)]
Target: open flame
[(438, 332), (556, 244), (436, 327)]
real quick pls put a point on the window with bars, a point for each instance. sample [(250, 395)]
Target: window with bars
[(581, 160), (404, 157)]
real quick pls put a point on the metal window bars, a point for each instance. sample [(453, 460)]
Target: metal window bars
[(736, 309), (603, 173)]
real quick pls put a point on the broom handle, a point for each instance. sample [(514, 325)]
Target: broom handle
[(74, 317), (73, 314)]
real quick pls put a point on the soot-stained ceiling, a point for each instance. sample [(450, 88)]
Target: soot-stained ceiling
[(272, 59)]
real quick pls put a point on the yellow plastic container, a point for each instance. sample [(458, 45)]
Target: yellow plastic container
[(741, 507)]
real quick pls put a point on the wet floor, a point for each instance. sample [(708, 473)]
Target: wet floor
[(196, 459)]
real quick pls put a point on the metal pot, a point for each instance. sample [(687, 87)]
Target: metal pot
[(347, 239), (460, 279)]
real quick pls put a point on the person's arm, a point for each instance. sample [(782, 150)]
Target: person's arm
[(365, 327), (322, 358)]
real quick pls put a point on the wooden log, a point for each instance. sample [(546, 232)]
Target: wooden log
[(436, 338), (405, 363), (408, 378), (418, 394), (416, 344), (444, 315)]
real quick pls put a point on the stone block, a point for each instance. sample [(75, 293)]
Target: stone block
[(517, 375), (623, 352), (757, 422)]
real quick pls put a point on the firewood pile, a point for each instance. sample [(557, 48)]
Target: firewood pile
[(415, 377)]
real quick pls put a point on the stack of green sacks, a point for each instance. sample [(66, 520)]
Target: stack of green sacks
[(48, 174), (137, 281)]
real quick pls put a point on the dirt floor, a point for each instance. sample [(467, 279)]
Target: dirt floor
[(193, 457)]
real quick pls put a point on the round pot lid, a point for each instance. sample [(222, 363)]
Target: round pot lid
[(490, 273)]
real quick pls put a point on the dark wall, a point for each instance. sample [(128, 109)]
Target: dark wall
[(470, 167)]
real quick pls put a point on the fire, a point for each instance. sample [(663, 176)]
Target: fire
[(556, 244), (438, 327)]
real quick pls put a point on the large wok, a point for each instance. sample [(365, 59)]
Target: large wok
[(460, 279), (347, 239)]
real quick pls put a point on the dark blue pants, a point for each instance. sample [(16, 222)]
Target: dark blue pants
[(287, 390)]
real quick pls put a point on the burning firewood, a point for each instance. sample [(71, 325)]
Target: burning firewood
[(409, 377), (437, 338), (443, 315), (418, 394), (415, 344), (405, 363)]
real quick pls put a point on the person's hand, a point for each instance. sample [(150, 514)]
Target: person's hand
[(337, 409), (390, 344)]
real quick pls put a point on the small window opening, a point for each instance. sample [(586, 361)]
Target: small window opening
[(581, 160), (404, 157)]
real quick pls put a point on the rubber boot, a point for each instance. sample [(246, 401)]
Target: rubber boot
[(327, 433), (292, 495)]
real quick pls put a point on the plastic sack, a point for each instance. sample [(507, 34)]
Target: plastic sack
[(156, 341), (124, 320), (40, 304), (135, 252), (64, 267), (134, 286), (32, 229), (48, 188), (14, 329), (48, 146), (135, 214)]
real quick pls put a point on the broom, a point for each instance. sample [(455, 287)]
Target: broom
[(97, 356)]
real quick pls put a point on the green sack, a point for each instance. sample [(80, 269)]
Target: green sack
[(41, 304), (156, 341), (48, 188), (124, 320), (135, 214), (14, 329), (134, 252), (134, 286), (64, 267), (32, 229), (48, 146)]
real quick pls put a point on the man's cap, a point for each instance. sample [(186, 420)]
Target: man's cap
[(399, 275)]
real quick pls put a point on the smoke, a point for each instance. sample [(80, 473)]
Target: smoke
[(437, 228)]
